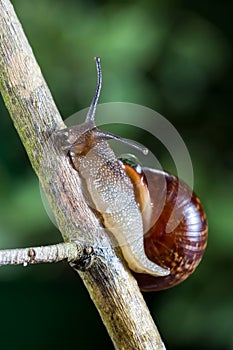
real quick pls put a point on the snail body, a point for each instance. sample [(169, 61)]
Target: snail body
[(112, 194), (110, 189), (127, 201)]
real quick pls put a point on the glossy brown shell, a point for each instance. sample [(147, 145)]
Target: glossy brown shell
[(182, 249)]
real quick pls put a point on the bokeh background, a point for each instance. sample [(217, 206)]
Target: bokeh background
[(174, 57)]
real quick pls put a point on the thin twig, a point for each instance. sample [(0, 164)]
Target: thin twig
[(45, 254)]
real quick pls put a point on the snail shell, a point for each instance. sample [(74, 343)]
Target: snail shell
[(180, 249)]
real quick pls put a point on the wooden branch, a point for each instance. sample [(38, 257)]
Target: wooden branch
[(35, 116), (46, 254)]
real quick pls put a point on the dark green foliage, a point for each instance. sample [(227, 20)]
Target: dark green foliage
[(174, 57)]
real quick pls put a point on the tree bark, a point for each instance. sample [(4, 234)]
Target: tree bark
[(33, 111)]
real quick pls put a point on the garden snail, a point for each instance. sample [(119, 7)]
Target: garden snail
[(126, 197)]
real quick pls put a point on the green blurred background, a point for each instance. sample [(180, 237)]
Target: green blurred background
[(174, 57)]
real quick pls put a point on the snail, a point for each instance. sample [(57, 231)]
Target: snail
[(126, 197)]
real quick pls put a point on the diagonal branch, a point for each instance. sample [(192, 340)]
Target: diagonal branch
[(35, 116)]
